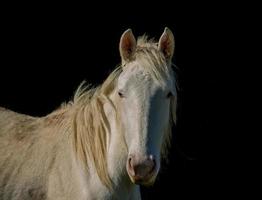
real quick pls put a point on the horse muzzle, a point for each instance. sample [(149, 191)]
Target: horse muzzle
[(143, 170)]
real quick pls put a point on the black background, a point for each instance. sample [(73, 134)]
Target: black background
[(48, 50)]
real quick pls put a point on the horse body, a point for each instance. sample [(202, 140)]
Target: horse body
[(98, 146), (32, 157)]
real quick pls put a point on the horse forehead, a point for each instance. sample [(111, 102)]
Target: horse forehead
[(136, 75), (134, 70)]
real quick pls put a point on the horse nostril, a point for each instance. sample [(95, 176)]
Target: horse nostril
[(129, 161), (151, 163), (130, 166), (151, 157)]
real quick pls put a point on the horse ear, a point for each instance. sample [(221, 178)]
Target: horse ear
[(166, 43), (127, 45)]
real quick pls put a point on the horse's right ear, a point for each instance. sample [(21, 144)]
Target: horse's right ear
[(127, 46)]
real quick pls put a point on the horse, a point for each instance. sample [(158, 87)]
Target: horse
[(104, 143)]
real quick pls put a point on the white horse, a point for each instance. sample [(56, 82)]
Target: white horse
[(103, 144)]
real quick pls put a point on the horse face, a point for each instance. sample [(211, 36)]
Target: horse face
[(144, 103), (144, 111)]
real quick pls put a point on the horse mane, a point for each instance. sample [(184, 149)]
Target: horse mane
[(90, 123)]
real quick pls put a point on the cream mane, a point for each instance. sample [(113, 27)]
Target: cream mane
[(90, 124)]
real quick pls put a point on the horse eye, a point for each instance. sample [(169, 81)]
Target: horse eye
[(120, 94), (169, 95)]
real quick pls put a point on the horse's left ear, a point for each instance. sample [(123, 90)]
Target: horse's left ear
[(127, 45), (166, 43)]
